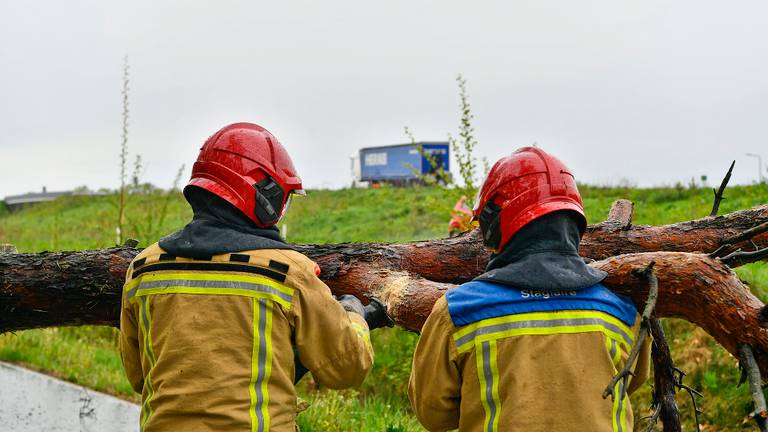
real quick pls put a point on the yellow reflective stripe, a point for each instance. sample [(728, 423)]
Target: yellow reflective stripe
[(267, 365), (541, 316), (210, 284), (488, 374), (495, 386), (619, 408), (261, 365), (146, 325), (616, 355), (254, 366), (213, 291), (542, 323), (623, 412), (481, 375), (209, 276), (614, 352)]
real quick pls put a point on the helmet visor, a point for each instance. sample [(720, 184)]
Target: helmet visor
[(285, 208), (297, 192), (476, 206)]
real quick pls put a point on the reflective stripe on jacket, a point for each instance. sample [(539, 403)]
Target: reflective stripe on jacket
[(534, 365), (209, 343)]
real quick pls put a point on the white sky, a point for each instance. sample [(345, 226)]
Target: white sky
[(654, 91)]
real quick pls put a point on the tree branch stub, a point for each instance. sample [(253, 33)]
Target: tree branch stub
[(719, 192)]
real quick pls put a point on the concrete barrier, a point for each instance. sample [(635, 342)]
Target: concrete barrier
[(32, 402)]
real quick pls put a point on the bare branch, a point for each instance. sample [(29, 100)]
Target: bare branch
[(739, 257), (747, 235), (721, 251), (749, 365), (653, 418), (650, 305), (693, 393), (719, 193)]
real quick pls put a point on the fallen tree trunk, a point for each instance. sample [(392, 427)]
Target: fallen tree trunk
[(459, 259), (75, 288)]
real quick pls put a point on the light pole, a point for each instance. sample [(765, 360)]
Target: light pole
[(759, 166)]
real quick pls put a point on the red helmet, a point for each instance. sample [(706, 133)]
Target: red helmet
[(247, 166), (520, 188)]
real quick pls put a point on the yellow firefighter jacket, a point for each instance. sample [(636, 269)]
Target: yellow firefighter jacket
[(530, 366), (209, 344)]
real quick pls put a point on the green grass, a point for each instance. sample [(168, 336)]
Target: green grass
[(349, 410), (83, 355), (88, 355), (383, 214), (81, 222)]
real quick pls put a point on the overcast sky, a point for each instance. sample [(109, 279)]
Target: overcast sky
[(650, 92)]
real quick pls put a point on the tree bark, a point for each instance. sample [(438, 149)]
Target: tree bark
[(63, 288)]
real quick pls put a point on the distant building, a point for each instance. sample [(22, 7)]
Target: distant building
[(17, 202)]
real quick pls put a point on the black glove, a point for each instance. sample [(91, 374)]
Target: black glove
[(351, 303), (376, 314)]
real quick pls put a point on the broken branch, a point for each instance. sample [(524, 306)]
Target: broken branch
[(739, 257), (719, 193), (749, 365), (621, 213), (748, 234)]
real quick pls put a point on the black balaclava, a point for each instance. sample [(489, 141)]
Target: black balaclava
[(543, 256), (218, 227)]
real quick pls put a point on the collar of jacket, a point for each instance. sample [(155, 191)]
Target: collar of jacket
[(479, 300), (217, 228), (543, 256)]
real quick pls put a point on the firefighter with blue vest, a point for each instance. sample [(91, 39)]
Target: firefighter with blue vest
[(530, 344), (219, 319)]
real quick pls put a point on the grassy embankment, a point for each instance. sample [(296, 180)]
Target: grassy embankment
[(87, 355)]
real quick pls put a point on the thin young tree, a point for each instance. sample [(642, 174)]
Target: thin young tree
[(123, 154)]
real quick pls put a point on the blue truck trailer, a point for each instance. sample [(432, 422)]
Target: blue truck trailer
[(403, 164)]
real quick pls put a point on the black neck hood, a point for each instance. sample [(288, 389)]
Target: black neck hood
[(218, 227), (543, 256)]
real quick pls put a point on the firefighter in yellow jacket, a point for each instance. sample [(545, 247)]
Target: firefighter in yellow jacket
[(531, 344), (220, 319)]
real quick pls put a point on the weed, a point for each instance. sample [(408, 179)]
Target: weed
[(123, 155), (464, 146)]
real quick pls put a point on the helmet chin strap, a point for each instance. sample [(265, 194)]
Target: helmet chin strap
[(269, 201)]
